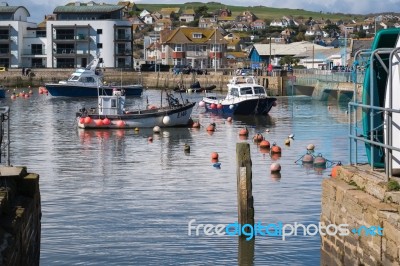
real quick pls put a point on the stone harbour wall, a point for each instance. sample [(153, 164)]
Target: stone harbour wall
[(20, 217), (358, 197)]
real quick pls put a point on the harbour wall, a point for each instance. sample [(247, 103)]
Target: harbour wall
[(358, 197), (20, 217), (13, 78)]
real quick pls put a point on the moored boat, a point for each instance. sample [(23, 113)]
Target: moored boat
[(2, 91), (111, 113), (245, 96), (84, 82)]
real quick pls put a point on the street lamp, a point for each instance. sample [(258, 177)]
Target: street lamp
[(251, 57)]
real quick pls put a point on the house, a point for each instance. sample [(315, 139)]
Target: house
[(246, 16), (187, 15), (237, 59), (162, 24), (170, 12), (198, 47), (240, 26), (223, 12), (277, 23), (258, 24), (144, 13), (233, 42), (208, 22)]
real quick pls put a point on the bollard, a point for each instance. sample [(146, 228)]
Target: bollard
[(244, 185)]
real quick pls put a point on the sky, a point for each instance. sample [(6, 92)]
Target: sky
[(39, 8)]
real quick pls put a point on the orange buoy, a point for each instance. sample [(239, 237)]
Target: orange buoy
[(275, 148), (334, 172), (98, 122), (106, 121), (244, 132), (214, 160), (211, 127), (87, 120), (265, 144), (214, 155), (120, 123), (308, 158), (258, 138), (213, 106), (219, 106), (320, 161)]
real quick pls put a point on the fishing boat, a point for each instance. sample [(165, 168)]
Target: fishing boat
[(111, 113), (245, 97), (375, 89), (195, 87), (84, 82)]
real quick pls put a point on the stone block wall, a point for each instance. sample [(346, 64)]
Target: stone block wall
[(359, 197), (20, 215)]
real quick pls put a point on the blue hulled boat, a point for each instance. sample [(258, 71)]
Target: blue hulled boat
[(87, 82)]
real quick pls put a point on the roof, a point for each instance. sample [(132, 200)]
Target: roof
[(290, 49), (12, 9), (170, 10), (236, 55), (185, 35), (87, 9)]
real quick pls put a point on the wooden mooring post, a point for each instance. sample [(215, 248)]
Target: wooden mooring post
[(244, 185)]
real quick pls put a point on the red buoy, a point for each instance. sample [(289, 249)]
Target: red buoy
[(258, 138), (275, 149), (244, 132), (265, 144), (81, 120), (121, 123), (211, 127), (106, 121), (98, 122), (88, 120), (213, 106), (214, 155), (219, 106)]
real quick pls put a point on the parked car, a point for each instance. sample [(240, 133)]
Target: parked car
[(152, 67)]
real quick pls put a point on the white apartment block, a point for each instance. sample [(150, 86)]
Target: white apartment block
[(71, 37)]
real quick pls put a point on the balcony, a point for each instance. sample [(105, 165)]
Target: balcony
[(124, 52), (196, 54), (177, 55), (64, 37), (123, 37), (4, 51), (33, 52)]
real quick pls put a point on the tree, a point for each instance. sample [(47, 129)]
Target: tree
[(201, 11), (288, 60)]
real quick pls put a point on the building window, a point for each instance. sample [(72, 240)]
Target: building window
[(99, 31), (40, 33), (99, 45), (178, 47), (197, 35)]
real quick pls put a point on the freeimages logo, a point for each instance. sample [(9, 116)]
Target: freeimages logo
[(279, 229)]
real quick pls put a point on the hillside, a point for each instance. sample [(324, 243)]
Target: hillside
[(261, 12)]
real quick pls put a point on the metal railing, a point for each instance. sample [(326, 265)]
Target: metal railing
[(5, 134), (373, 110)]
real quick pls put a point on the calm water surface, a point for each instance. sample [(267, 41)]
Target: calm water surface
[(113, 198)]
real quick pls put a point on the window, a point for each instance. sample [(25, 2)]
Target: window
[(259, 90), (246, 91), (197, 35), (99, 45), (113, 103), (40, 33), (178, 47), (99, 31), (234, 92)]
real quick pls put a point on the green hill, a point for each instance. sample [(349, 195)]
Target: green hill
[(262, 12)]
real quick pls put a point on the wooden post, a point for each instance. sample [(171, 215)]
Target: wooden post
[(244, 184)]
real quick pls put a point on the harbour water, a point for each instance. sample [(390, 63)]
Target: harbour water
[(113, 198)]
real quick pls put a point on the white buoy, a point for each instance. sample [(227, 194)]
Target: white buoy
[(267, 130), (231, 106), (291, 136), (202, 104), (275, 168), (166, 120), (156, 129), (310, 147)]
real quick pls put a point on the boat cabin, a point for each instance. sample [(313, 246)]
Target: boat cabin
[(245, 86), (113, 104)]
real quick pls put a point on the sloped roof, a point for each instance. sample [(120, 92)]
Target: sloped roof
[(185, 35), (236, 54), (87, 9), (170, 10), (12, 9), (291, 49)]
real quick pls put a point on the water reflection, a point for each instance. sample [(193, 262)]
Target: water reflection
[(114, 197)]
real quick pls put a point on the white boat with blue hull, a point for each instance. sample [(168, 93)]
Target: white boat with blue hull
[(84, 82), (111, 113), (245, 97)]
